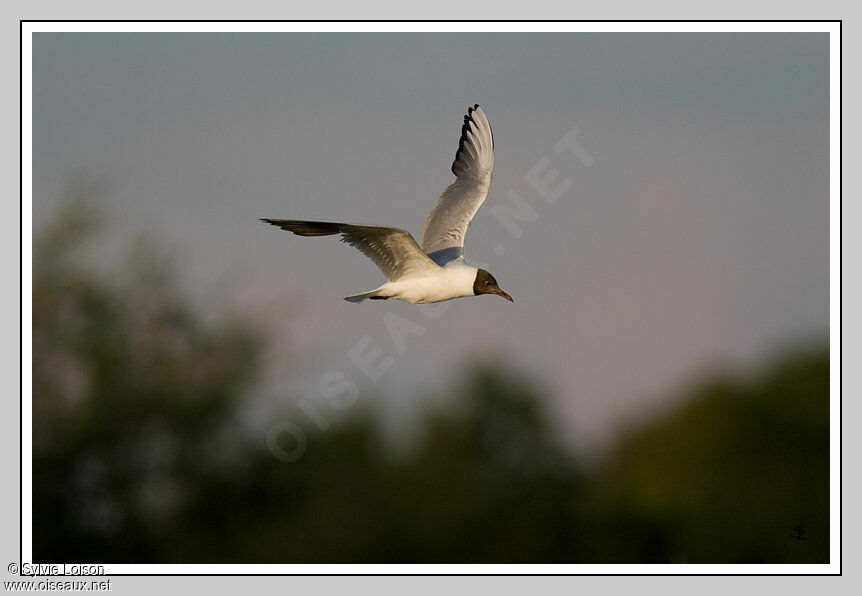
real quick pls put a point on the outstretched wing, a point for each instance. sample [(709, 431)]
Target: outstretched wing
[(391, 249), (446, 226)]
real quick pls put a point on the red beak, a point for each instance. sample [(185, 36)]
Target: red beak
[(503, 294)]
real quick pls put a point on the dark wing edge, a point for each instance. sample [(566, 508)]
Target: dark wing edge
[(307, 228), (474, 146), (393, 250)]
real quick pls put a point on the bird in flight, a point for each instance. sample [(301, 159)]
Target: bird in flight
[(434, 270)]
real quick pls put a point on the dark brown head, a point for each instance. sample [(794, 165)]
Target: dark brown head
[(486, 284)]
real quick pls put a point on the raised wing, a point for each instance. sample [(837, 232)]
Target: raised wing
[(393, 250), (446, 225)]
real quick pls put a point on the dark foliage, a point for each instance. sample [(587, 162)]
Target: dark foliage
[(138, 455)]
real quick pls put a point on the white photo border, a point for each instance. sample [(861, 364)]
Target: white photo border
[(832, 27)]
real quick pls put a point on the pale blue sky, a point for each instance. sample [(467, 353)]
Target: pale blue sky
[(698, 237)]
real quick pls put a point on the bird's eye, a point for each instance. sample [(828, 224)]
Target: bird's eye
[(487, 283)]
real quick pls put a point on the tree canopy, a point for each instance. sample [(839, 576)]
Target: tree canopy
[(139, 455)]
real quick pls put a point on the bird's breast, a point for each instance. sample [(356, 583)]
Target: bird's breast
[(449, 283)]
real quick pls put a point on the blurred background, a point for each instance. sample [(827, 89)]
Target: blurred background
[(657, 393)]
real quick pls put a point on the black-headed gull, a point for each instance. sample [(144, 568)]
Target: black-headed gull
[(436, 271)]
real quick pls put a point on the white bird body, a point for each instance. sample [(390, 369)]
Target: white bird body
[(436, 271), (455, 280)]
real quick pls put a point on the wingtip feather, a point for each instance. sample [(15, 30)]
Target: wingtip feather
[(470, 130), (307, 228)]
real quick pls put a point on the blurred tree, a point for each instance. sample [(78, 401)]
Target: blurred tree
[(487, 484), (138, 455), (131, 396), (737, 473)]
